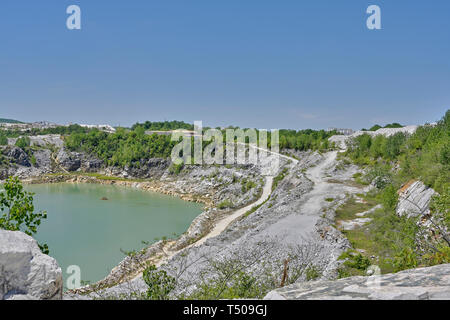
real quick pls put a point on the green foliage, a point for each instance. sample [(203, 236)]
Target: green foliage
[(440, 206), (312, 273), (122, 147), (225, 204), (379, 174), (163, 126), (375, 127), (247, 184), (355, 264), (423, 155), (33, 160), (391, 125), (305, 139), (358, 262), (17, 209), (3, 120), (442, 255), (23, 142), (159, 283), (351, 207), (389, 197), (176, 168), (229, 283), (279, 178), (406, 258), (3, 139)]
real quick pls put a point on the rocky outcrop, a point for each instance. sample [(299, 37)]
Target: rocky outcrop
[(341, 141), (416, 284), (69, 161), (414, 199), (25, 272), (42, 140), (18, 156)]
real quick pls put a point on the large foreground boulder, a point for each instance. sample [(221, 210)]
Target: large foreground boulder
[(25, 272), (415, 284)]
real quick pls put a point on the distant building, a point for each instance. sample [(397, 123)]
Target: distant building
[(345, 132)]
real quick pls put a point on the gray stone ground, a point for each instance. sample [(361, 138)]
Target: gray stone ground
[(416, 284), (295, 221)]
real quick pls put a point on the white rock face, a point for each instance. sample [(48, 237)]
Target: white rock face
[(414, 198), (416, 284), (341, 140), (25, 272)]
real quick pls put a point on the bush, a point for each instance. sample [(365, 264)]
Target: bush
[(3, 140), (389, 197), (17, 210), (159, 283), (225, 204), (23, 142), (247, 185), (358, 262), (176, 168), (405, 259), (312, 273)]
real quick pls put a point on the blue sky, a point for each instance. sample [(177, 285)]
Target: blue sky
[(254, 63)]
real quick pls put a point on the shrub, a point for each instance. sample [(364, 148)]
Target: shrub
[(17, 210), (389, 197), (176, 168), (225, 204), (3, 140), (358, 262), (23, 142), (405, 259), (312, 273), (159, 283)]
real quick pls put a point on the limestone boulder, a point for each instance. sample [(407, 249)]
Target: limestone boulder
[(25, 272)]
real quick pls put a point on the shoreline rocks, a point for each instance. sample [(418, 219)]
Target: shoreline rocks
[(415, 284), (25, 272)]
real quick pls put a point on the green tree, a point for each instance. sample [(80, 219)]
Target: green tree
[(23, 142), (3, 140), (159, 283), (17, 210), (389, 197)]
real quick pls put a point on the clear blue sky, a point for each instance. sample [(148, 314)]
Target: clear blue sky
[(253, 63)]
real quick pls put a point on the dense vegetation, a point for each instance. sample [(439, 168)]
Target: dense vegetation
[(62, 130), (3, 120), (122, 147), (305, 139), (132, 147), (424, 155), (164, 126), (377, 126), (399, 242), (17, 210)]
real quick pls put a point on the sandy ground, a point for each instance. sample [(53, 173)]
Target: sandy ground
[(224, 223)]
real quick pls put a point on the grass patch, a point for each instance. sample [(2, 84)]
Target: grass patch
[(348, 210), (279, 178), (225, 204)]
